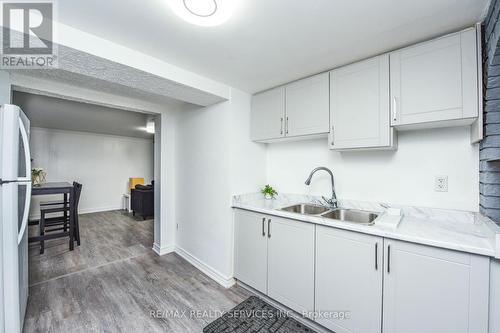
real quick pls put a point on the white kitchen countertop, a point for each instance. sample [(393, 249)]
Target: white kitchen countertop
[(456, 230)]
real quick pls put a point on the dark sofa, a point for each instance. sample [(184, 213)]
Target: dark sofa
[(142, 200)]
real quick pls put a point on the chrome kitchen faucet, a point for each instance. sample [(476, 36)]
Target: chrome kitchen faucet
[(333, 200)]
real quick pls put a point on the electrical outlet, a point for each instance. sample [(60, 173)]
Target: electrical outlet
[(441, 184)]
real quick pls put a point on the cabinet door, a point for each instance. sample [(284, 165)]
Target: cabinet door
[(359, 106), (435, 81), (268, 115), (307, 106), (428, 289), (291, 263), (349, 278), (250, 265)]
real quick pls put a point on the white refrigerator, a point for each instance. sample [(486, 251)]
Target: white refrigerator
[(15, 196)]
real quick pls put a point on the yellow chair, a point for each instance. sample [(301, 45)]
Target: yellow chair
[(135, 181)]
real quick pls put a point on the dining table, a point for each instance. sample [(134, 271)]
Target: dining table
[(65, 189)]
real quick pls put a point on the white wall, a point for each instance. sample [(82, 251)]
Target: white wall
[(214, 160), (102, 163), (5, 88), (248, 159), (404, 176), (165, 147)]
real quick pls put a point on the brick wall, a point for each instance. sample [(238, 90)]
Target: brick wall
[(489, 167)]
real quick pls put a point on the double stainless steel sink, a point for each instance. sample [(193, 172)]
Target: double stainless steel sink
[(339, 214), (306, 209)]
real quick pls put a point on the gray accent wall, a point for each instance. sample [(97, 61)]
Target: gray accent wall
[(489, 167)]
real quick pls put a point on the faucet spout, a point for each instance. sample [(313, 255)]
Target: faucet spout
[(333, 200)]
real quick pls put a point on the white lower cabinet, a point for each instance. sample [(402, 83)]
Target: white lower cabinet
[(360, 283), (250, 239), (349, 273), (428, 289), (291, 264), (276, 257)]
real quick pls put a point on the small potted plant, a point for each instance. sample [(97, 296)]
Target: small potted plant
[(269, 192), (38, 176)]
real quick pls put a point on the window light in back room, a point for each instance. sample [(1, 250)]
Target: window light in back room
[(150, 126)]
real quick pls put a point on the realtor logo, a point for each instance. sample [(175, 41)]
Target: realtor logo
[(27, 35)]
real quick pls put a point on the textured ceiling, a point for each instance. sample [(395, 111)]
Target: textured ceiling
[(55, 113), (93, 72), (269, 42)]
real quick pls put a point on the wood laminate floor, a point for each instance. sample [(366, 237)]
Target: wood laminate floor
[(105, 237), (114, 282)]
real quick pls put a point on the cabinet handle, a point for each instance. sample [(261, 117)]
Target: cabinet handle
[(333, 138), (263, 230), (269, 228), (388, 259), (394, 109), (286, 126), (376, 256), (281, 125)]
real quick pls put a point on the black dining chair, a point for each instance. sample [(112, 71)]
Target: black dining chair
[(49, 225), (46, 204), (62, 202)]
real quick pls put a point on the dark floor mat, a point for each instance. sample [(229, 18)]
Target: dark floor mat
[(255, 315)]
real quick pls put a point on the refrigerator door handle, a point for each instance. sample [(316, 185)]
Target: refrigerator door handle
[(27, 153), (24, 224), (27, 179)]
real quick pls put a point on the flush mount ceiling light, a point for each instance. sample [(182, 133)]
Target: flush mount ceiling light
[(203, 12)]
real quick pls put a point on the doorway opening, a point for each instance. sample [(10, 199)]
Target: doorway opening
[(112, 153)]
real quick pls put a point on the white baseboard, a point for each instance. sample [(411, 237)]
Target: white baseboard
[(225, 281), (97, 210), (163, 250)]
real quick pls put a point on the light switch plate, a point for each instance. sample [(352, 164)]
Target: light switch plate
[(441, 183)]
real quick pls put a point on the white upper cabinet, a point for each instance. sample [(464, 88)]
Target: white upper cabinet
[(435, 82), (359, 105), (349, 272), (428, 289), (299, 109), (431, 84), (307, 103), (268, 115)]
